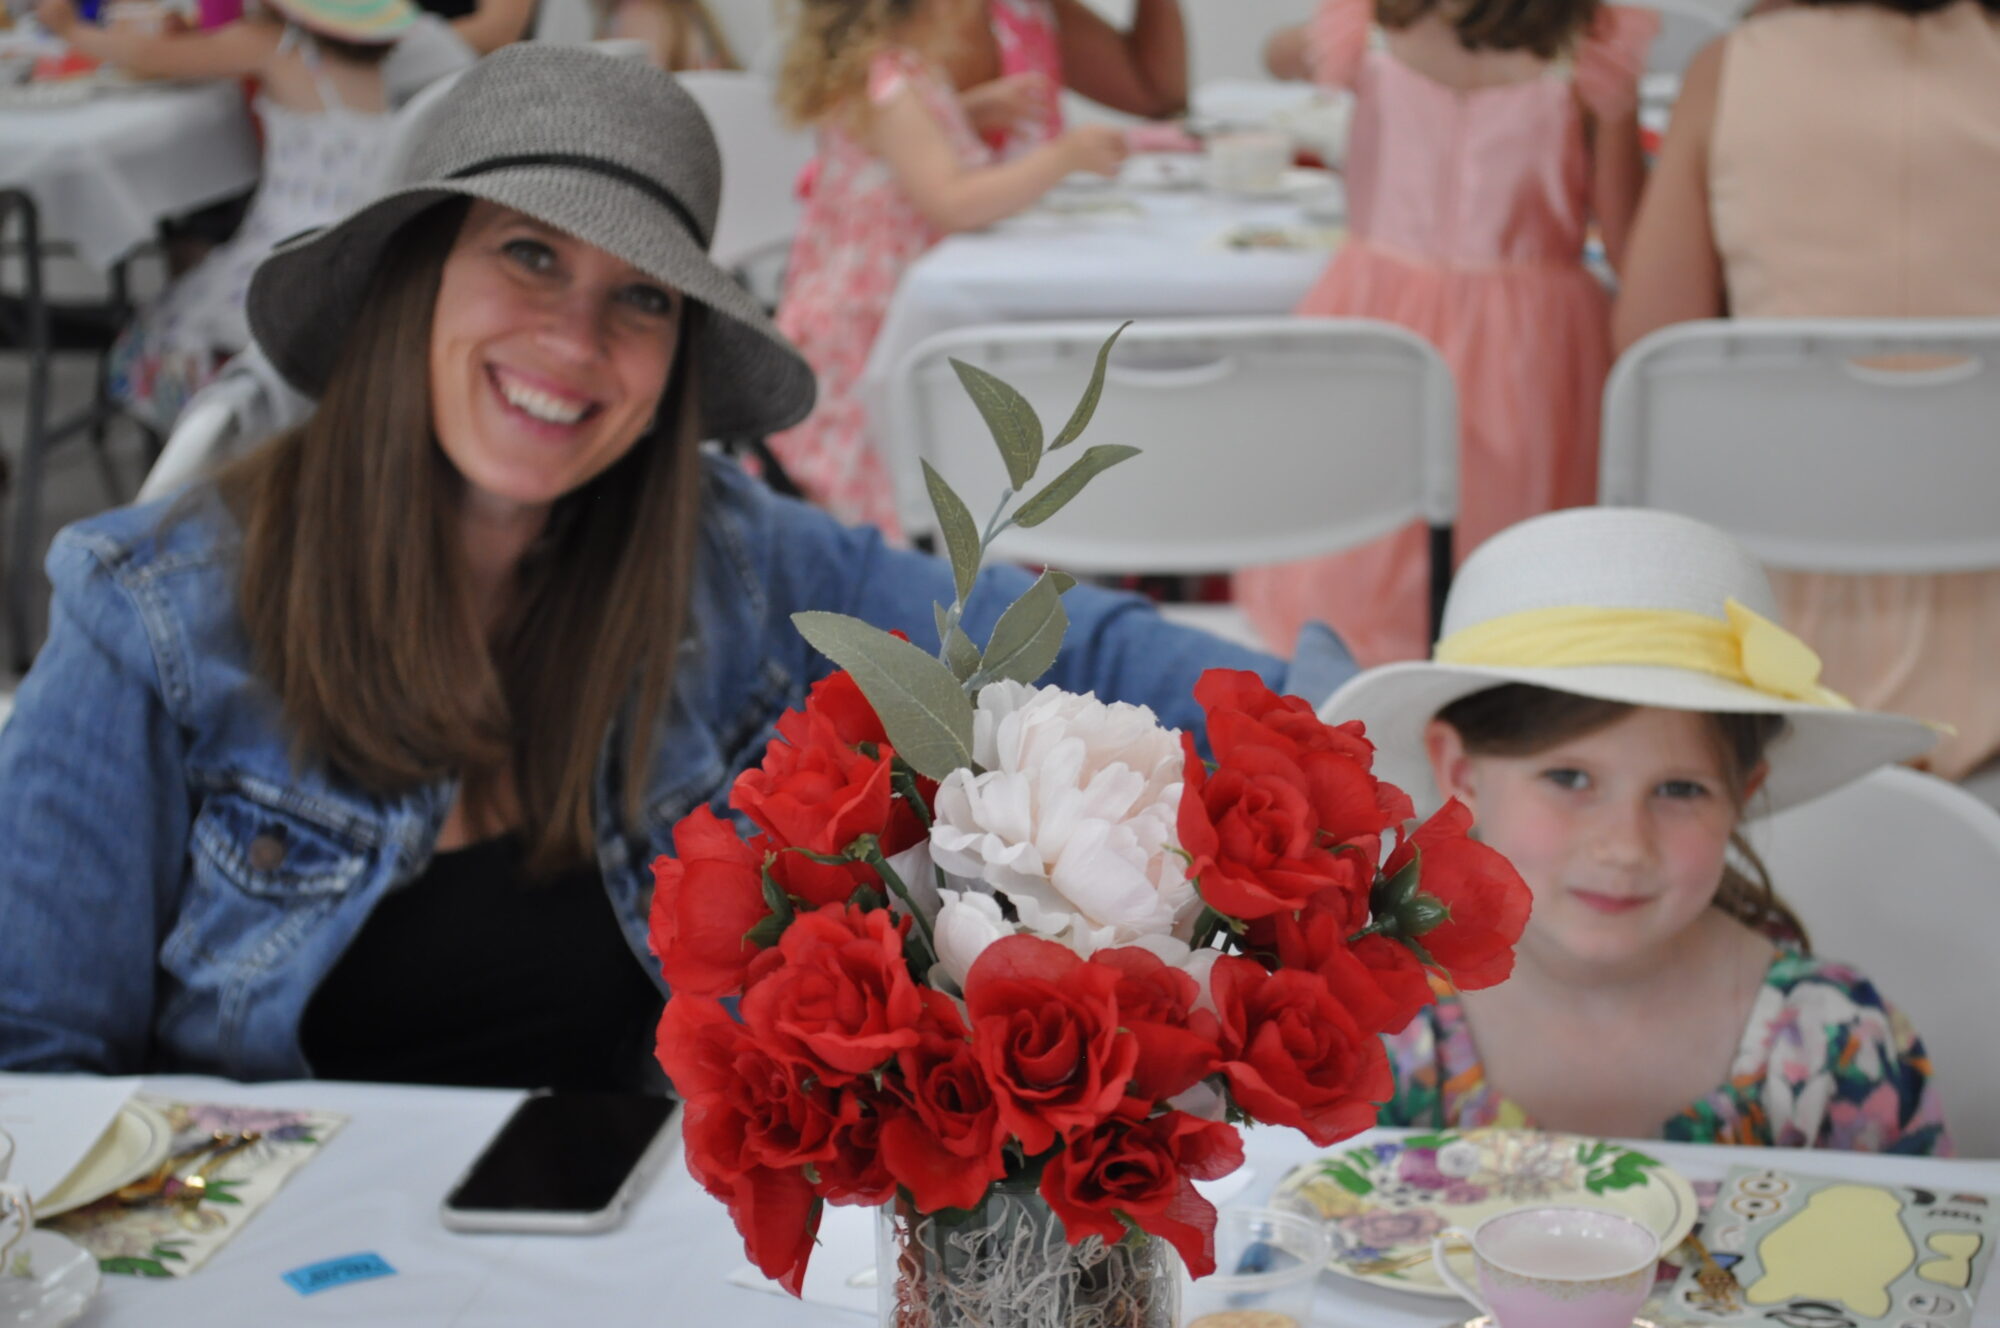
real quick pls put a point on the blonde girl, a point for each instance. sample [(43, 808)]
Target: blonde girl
[(899, 167), (1610, 699)]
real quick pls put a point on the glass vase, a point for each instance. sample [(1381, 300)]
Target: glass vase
[(1007, 1264)]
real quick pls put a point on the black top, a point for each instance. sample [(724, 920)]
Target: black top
[(472, 975), (448, 9)]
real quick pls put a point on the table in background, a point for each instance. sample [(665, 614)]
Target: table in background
[(104, 171), (376, 1186), (1162, 258)]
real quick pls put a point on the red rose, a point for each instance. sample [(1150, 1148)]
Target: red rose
[(752, 1124), (1253, 832), (855, 1173), (836, 993), (817, 793), (706, 899), (1143, 1170), (1045, 1028), (1293, 1054), (1377, 979), (1243, 711), (1484, 901), (945, 1145), (838, 697), (1156, 1004)]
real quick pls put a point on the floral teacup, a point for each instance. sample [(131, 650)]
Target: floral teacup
[(1555, 1267), (17, 1215)]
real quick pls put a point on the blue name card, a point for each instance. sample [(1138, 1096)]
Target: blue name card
[(315, 1277)]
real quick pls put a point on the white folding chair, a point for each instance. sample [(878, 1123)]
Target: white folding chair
[(429, 51), (1831, 445), (761, 160), (1264, 440), (1899, 874), (247, 403), (1685, 27), (567, 22)]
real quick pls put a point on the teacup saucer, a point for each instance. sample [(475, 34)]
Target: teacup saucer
[(47, 1282), (1483, 1322)]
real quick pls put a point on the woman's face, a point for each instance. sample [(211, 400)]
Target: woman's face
[(548, 358), (1620, 833)]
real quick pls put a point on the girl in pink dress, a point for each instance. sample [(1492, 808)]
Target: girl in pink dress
[(1486, 138), (899, 167)]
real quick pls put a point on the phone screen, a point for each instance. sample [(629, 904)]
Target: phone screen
[(564, 1153)]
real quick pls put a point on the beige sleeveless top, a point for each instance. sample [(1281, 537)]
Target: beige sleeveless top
[(1855, 172), (1855, 164)]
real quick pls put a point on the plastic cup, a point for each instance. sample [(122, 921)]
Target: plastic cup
[(1267, 1266)]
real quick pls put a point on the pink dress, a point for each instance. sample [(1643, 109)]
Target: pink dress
[(1467, 217), (1030, 43), (859, 233)]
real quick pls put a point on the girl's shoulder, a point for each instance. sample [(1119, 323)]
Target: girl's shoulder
[(894, 68)]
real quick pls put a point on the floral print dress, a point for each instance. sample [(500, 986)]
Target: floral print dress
[(860, 232), (1824, 1062)]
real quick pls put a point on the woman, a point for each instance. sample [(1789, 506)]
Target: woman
[(1011, 59), (1841, 159), (354, 762)]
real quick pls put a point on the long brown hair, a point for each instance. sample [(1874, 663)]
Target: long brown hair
[(356, 597), (1519, 719), (1548, 28)]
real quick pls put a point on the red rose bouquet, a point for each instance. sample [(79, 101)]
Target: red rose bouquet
[(987, 935)]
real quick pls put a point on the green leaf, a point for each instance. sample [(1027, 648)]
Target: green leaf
[(1390, 895), (1087, 405), (1028, 636), (1062, 581), (926, 714), (961, 532), (1057, 493), (961, 656), (766, 933), (1011, 420)]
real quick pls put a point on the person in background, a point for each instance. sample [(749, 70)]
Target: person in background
[(326, 125), (681, 34), (899, 167), (1487, 137), (1842, 160), (484, 25), (353, 760), (1609, 701), (1010, 60)]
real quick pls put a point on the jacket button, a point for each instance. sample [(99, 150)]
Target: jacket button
[(267, 851)]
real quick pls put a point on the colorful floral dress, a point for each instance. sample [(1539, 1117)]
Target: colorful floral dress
[(1824, 1062), (1030, 42), (859, 233), (1468, 210), (318, 165)]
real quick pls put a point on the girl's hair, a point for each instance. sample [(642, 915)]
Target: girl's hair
[(832, 43), (354, 53), (356, 598), (697, 34), (1520, 719), (1548, 28)]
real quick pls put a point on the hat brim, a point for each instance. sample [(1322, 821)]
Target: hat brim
[(384, 26), (1820, 750), (304, 296)]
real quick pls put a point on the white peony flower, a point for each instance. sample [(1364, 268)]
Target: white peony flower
[(966, 924), (1073, 818)]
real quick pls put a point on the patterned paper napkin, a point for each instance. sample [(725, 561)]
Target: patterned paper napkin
[(164, 1240)]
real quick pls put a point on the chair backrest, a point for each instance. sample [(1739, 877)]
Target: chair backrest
[(1899, 874), (1685, 27), (248, 402), (568, 22), (1834, 445), (429, 51), (1264, 439), (761, 160)]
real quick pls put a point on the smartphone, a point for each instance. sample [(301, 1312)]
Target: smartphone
[(565, 1163)]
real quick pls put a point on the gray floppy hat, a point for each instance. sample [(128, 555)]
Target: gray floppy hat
[(614, 152)]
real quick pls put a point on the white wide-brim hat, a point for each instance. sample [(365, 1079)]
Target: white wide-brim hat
[(1622, 604)]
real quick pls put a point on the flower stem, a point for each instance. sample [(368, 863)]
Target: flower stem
[(880, 863)]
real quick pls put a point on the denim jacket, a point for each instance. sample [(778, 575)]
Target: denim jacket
[(173, 887)]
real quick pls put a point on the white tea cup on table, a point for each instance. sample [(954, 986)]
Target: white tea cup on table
[(1555, 1267), (17, 1214), (1248, 161)]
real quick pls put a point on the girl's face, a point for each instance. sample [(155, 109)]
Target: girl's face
[(1620, 833), (548, 358)]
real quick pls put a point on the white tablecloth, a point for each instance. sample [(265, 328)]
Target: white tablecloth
[(1164, 260), (375, 1188), (104, 172)]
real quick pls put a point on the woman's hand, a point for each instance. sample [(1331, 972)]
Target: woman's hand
[(58, 16), (1099, 149), (1000, 104)]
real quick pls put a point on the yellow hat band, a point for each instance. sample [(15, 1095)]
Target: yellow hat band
[(1748, 648)]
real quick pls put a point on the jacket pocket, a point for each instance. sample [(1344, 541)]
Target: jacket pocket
[(276, 852)]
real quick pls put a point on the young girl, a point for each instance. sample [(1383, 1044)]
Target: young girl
[(326, 128), (1609, 700), (1487, 135), (682, 34), (899, 167)]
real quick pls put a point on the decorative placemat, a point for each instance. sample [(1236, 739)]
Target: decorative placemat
[(175, 1234)]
